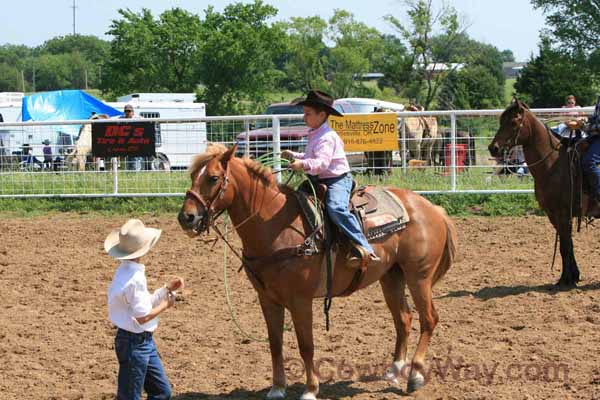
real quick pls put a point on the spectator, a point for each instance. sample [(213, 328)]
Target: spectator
[(47, 151), (132, 163), (570, 102), (28, 160)]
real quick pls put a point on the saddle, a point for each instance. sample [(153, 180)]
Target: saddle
[(379, 212)]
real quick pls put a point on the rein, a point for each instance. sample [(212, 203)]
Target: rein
[(514, 139)]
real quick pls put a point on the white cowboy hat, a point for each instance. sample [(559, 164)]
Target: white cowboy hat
[(131, 241)]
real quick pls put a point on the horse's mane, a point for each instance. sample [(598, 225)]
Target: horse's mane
[(212, 150), (216, 149)]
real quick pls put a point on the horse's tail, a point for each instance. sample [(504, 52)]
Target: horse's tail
[(449, 249)]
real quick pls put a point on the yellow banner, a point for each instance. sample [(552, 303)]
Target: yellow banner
[(369, 132)]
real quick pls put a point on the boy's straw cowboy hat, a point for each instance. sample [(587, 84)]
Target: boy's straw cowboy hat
[(131, 241)]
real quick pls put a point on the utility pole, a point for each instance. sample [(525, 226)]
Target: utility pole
[(73, 7)]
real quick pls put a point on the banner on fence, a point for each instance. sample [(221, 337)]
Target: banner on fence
[(369, 132), (122, 139)]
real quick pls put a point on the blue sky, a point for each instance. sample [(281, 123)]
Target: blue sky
[(507, 24)]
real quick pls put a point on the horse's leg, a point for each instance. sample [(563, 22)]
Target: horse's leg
[(393, 285), (274, 316), (421, 293), (301, 311), (570, 271)]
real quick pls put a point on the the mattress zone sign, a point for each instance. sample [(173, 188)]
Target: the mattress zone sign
[(368, 132), (121, 139)]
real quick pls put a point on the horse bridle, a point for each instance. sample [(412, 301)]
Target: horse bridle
[(512, 142), (209, 214)]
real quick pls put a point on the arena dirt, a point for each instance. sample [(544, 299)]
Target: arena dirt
[(505, 332)]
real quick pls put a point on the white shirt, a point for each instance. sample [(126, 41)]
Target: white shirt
[(128, 298)]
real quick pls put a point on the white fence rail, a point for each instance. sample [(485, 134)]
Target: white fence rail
[(460, 160)]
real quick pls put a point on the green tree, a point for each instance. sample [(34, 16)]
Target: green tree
[(10, 78), (236, 66), (357, 48), (92, 48), (394, 63), (574, 24), (424, 19), (60, 71), (148, 54), (508, 56), (306, 59), (472, 87), (15, 55), (552, 75)]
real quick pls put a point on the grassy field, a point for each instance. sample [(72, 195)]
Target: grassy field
[(176, 182)]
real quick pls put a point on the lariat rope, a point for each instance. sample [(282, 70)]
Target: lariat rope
[(286, 327)]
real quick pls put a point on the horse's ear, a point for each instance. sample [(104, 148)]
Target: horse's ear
[(228, 155)]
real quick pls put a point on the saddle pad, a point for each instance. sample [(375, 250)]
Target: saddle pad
[(389, 217)]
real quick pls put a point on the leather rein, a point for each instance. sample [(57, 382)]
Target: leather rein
[(210, 216), (512, 142)]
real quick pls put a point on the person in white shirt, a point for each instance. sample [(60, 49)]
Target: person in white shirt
[(134, 311)]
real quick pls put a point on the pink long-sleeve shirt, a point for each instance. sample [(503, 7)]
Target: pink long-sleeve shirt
[(324, 154)]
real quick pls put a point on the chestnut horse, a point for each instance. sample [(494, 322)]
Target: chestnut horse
[(553, 188), (268, 219)]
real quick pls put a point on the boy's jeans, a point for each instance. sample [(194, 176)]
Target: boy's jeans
[(338, 196), (140, 367)]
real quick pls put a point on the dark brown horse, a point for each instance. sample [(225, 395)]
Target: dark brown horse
[(549, 167), (268, 218)]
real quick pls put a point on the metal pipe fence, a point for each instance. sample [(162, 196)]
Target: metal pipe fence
[(455, 160)]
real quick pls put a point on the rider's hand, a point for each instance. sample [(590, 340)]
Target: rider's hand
[(288, 155), (297, 165)]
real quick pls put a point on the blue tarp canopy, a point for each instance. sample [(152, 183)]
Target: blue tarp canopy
[(63, 105)]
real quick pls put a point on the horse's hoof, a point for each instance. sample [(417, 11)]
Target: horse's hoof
[(276, 393), (393, 372), (565, 284), (390, 376), (308, 396), (415, 382)]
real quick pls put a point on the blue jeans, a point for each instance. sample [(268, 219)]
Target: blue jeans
[(140, 367), (336, 203), (590, 162)]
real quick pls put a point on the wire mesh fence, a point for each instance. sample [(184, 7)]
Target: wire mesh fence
[(438, 152)]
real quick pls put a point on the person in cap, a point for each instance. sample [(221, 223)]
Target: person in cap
[(324, 160), (128, 111), (47, 151), (134, 311)]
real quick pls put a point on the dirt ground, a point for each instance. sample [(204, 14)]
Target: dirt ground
[(505, 332)]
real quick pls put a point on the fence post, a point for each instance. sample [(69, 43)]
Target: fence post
[(403, 151), (453, 152), (115, 171), (247, 138), (277, 147)]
